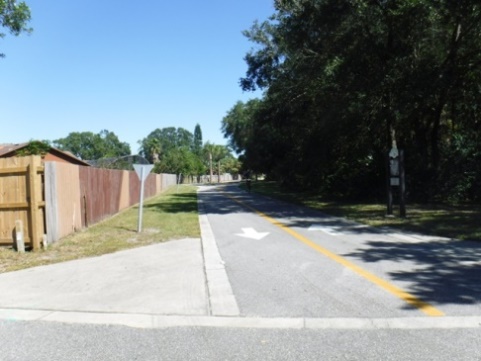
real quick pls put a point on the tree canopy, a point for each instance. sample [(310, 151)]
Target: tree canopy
[(14, 17), (198, 143), (90, 146), (171, 150), (162, 141), (344, 81), (176, 150)]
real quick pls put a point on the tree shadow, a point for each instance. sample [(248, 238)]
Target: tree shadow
[(444, 272), (175, 203), (216, 201), (230, 199)]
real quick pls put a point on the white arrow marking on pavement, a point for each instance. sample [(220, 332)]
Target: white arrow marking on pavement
[(326, 229), (252, 233)]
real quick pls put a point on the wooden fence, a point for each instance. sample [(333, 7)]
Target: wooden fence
[(22, 199), (60, 198)]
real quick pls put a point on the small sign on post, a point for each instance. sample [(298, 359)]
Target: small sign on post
[(394, 167), (396, 178), (142, 171)]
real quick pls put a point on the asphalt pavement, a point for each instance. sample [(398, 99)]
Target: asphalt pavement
[(176, 283), (179, 282), (266, 281)]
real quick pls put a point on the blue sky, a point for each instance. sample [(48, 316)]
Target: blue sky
[(126, 66)]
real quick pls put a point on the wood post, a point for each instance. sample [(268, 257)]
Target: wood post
[(21, 199), (19, 237), (34, 185)]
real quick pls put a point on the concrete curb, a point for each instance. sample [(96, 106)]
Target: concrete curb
[(221, 297), (152, 321)]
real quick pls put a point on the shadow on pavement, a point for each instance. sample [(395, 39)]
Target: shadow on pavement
[(445, 273)]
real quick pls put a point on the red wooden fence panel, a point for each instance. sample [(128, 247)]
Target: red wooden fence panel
[(100, 193), (80, 196)]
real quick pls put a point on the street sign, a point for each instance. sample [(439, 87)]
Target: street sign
[(396, 178), (142, 171)]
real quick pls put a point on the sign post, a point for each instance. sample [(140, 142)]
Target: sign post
[(142, 171), (396, 178)]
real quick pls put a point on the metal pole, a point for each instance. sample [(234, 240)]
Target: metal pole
[(141, 201)]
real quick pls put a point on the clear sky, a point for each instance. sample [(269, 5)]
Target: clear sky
[(126, 66)]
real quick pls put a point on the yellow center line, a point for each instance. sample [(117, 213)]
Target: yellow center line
[(425, 307)]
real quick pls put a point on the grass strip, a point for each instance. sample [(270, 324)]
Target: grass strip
[(460, 221), (170, 215)]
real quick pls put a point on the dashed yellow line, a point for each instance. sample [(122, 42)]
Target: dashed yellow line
[(414, 301)]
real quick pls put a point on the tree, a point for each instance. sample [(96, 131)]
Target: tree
[(112, 146), (237, 124), (197, 146), (230, 164), (14, 17), (34, 147), (178, 161), (162, 141), (343, 80), (214, 155), (90, 146), (174, 150)]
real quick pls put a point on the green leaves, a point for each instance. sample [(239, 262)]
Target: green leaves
[(162, 141), (34, 147), (14, 17), (90, 146), (177, 151), (237, 124), (342, 77), (197, 145)]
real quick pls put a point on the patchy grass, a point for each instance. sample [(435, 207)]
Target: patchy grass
[(453, 221), (171, 215)]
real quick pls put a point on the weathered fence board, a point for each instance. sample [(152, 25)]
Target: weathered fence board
[(100, 192), (124, 201), (62, 193), (22, 199), (134, 189), (168, 180), (60, 198)]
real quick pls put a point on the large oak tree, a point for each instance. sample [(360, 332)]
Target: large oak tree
[(344, 81)]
